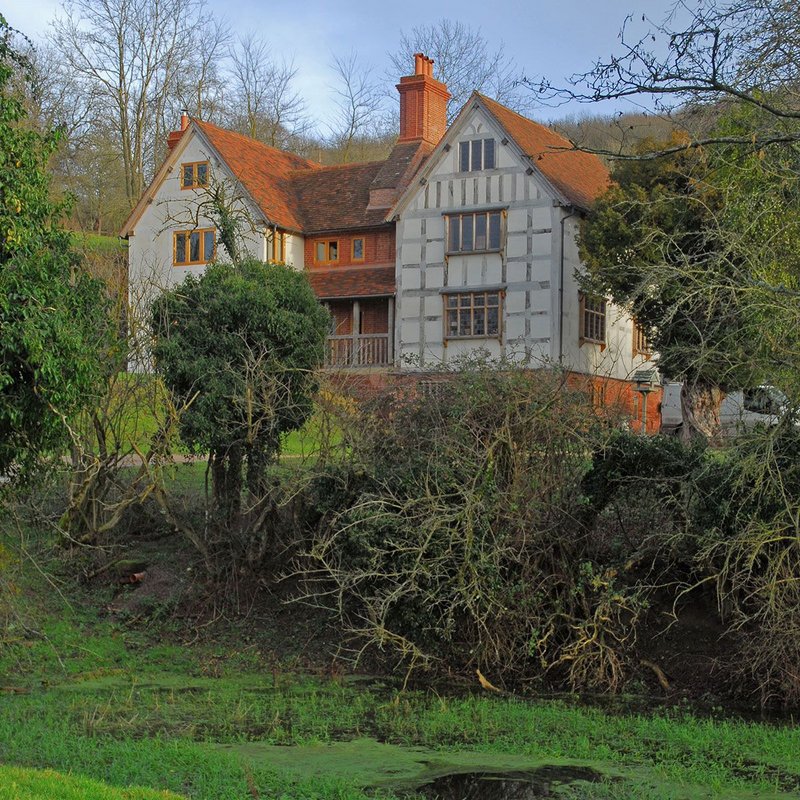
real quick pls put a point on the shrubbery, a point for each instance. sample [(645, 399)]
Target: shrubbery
[(462, 540)]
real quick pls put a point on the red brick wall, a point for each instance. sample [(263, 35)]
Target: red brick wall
[(378, 248), (342, 313), (620, 398), (374, 316)]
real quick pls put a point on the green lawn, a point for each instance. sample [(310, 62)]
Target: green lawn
[(215, 720)]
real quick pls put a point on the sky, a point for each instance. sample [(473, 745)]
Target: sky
[(551, 39)]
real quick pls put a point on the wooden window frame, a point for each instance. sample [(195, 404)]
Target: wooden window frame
[(474, 216), (195, 184), (469, 145), (327, 243), (203, 259), (279, 247), (363, 241), (459, 309), (593, 317), (641, 347)]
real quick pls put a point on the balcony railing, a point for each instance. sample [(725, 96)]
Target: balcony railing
[(358, 350)]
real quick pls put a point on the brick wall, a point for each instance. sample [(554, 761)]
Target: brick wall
[(378, 248)]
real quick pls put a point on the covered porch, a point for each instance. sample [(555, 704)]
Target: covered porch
[(361, 332)]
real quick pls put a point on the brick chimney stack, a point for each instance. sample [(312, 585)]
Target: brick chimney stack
[(423, 104), (175, 136)]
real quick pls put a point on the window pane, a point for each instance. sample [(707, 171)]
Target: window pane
[(320, 251), (452, 301), (358, 249), (478, 320), (455, 234), (477, 161), (463, 152), (188, 174), (180, 248), (492, 321), (194, 246), (480, 231), (452, 322), (208, 245), (488, 153), (466, 231), (491, 299), (465, 300), (202, 174), (464, 326), (494, 230), (333, 251)]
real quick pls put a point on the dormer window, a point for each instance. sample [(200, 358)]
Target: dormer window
[(194, 175), (476, 155)]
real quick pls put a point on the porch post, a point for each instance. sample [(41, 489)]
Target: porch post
[(390, 342), (356, 355)]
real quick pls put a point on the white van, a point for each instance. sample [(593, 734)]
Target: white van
[(743, 410)]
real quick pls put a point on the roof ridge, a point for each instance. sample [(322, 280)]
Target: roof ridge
[(203, 123), (330, 167), (524, 118)]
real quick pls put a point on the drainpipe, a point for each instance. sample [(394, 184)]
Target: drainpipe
[(572, 213)]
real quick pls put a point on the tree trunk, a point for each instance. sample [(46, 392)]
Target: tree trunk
[(700, 407)]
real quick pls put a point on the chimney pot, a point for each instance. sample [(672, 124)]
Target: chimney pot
[(419, 64), (184, 119)]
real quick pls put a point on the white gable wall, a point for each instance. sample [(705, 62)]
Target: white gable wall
[(527, 270), (172, 209)]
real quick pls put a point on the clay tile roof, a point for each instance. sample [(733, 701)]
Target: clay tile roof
[(580, 177), (332, 198), (393, 174), (264, 172), (352, 282)]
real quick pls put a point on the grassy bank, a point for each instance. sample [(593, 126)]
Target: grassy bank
[(218, 720)]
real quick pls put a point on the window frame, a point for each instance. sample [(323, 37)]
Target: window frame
[(327, 243), (202, 233), (486, 213), (448, 296), (641, 346), (195, 184), (353, 256), (600, 316), (279, 247), (467, 146)]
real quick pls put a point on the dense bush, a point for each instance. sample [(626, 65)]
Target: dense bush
[(461, 538)]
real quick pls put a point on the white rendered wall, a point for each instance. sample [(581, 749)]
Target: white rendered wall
[(528, 269)]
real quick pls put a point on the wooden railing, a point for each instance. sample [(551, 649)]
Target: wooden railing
[(358, 350)]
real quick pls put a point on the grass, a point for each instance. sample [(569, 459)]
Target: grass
[(111, 707), (30, 784)]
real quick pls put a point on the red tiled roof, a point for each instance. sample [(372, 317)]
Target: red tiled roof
[(264, 172), (402, 164), (335, 198), (329, 284), (580, 177)]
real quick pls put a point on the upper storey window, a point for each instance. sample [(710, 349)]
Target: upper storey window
[(476, 155), (326, 251), (194, 175), (475, 232)]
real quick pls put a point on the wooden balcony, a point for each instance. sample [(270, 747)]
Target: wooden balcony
[(358, 350)]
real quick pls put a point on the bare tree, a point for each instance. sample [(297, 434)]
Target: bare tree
[(127, 53), (263, 94), (359, 100), (703, 59), (464, 61), (200, 85)]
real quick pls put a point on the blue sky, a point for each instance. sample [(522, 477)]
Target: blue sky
[(544, 38)]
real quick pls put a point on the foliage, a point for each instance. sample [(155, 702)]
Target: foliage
[(54, 326), (459, 538), (239, 346)]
